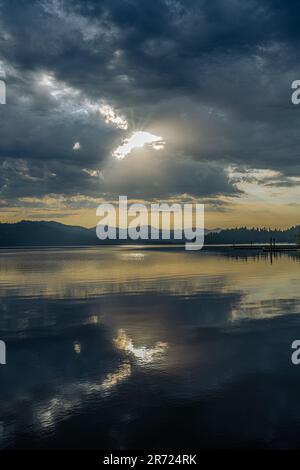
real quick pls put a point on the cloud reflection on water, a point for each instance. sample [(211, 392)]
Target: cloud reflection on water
[(86, 337)]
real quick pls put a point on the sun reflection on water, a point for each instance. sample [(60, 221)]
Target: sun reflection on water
[(115, 378), (142, 354)]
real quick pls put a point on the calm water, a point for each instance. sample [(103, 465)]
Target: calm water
[(148, 348)]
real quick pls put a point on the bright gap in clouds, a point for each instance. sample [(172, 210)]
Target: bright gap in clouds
[(111, 117), (76, 146), (74, 102), (138, 140)]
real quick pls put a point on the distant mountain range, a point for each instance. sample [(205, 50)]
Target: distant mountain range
[(27, 233)]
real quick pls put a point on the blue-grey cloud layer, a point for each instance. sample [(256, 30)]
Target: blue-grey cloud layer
[(213, 78)]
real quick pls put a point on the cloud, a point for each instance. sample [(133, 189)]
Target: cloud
[(211, 79), (112, 117)]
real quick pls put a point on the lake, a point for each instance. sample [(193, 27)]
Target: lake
[(155, 348)]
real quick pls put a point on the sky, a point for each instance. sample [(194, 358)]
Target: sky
[(158, 100)]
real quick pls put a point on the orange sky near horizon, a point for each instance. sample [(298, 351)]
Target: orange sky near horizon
[(237, 214)]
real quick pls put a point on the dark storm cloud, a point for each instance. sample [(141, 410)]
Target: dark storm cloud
[(213, 78)]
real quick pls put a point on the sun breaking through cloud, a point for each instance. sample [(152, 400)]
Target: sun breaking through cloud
[(138, 140)]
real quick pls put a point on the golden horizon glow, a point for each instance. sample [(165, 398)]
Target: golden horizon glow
[(280, 216)]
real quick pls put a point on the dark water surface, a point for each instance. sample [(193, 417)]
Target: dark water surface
[(148, 348)]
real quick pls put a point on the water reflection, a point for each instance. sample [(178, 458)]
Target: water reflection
[(77, 347), (142, 354), (115, 378), (107, 352)]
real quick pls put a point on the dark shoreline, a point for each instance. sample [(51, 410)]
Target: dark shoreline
[(144, 246)]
